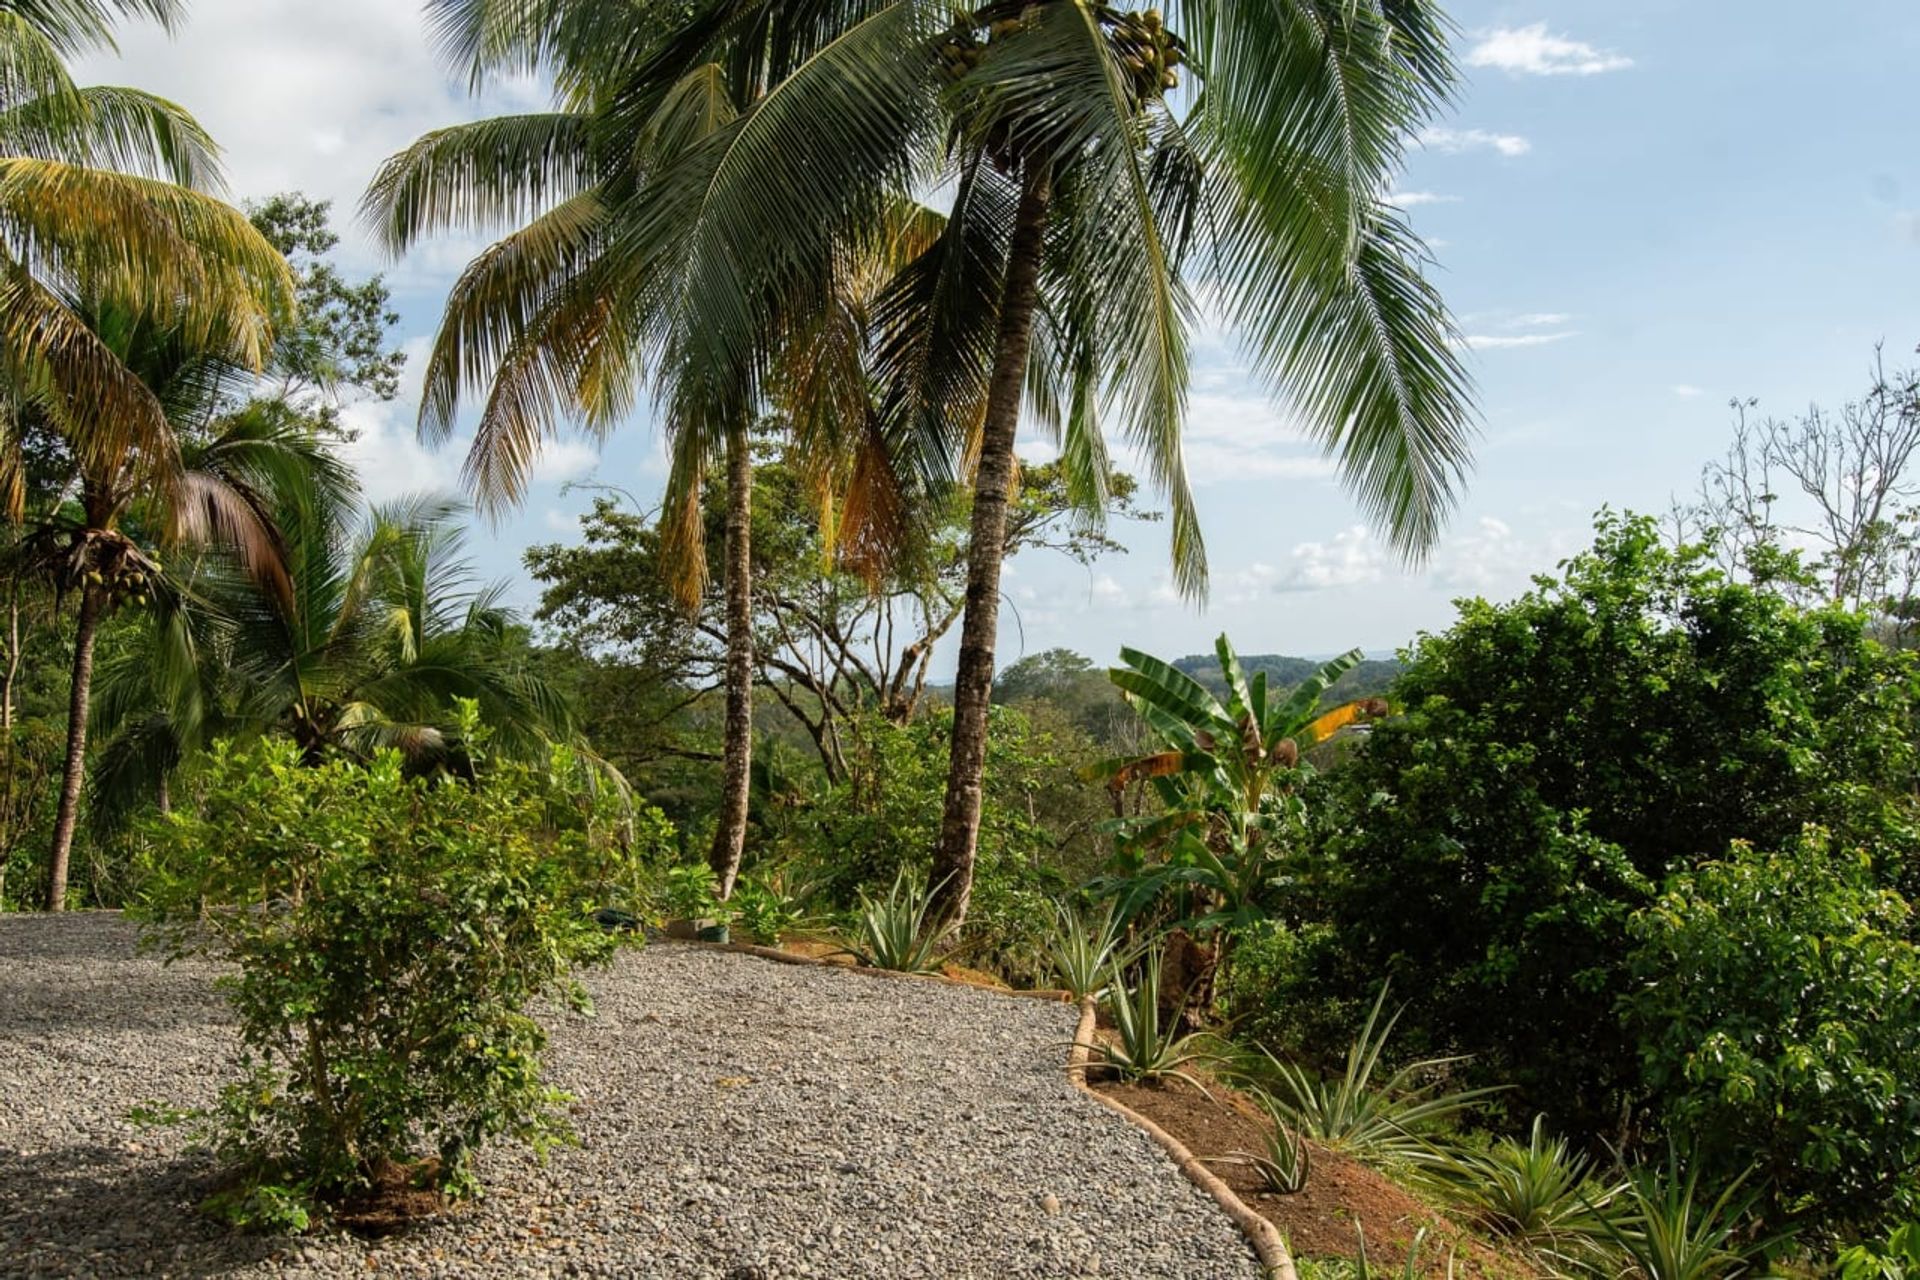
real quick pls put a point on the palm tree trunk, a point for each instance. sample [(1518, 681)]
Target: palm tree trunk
[(993, 480), (730, 837), (92, 605)]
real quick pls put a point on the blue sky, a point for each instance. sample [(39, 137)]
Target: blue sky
[(1639, 210)]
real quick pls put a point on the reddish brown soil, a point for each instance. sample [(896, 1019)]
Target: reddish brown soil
[(401, 1195), (1343, 1198)]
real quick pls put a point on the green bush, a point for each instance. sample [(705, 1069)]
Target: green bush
[(1037, 828), (388, 933), (1779, 1019), (1559, 756)]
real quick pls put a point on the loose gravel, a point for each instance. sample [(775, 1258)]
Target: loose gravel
[(738, 1120)]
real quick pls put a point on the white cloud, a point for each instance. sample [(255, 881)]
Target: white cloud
[(1436, 138), (389, 458), (1534, 51), (1413, 199), (1350, 558), (1687, 391), (1492, 341), (562, 460), (303, 96), (1235, 433), (1487, 558), (1539, 320), (1106, 590)]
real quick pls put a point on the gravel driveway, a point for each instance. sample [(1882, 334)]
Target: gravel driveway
[(739, 1120)]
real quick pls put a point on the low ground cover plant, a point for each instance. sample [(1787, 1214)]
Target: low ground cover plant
[(389, 935)]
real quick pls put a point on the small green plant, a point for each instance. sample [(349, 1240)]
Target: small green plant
[(1082, 951), (1896, 1257), (892, 930), (1150, 1047), (768, 907), (387, 933), (1540, 1193), (1285, 1160), (1411, 1269), (1666, 1229), (690, 891), (1350, 1112)]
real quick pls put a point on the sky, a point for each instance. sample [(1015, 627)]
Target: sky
[(1637, 210)]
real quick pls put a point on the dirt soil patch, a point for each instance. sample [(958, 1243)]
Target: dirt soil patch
[(1343, 1197), (401, 1195)]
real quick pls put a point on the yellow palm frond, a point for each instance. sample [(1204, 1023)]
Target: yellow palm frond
[(107, 412), (151, 246)]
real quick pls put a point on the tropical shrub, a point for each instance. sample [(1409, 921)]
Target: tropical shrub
[(1038, 825), (387, 934), (1558, 756), (1083, 950), (1224, 776), (1284, 1161), (1896, 1256), (1778, 1014)]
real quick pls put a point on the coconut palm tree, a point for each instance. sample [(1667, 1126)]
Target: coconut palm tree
[(96, 534), (108, 238), (1106, 169), (383, 631), (555, 323)]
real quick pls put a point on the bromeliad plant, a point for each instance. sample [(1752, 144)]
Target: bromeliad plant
[(1082, 950), (893, 932), (1227, 779), (1540, 1193), (1285, 1160), (1150, 1046), (1387, 1121)]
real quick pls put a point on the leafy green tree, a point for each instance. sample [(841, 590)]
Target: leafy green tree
[(1777, 1006), (1087, 212), (828, 643), (338, 345), (1559, 756)]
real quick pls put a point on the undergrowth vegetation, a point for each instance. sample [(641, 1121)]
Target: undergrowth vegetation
[(388, 933)]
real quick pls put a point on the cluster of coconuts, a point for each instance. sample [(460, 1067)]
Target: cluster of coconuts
[(126, 576), (1150, 53)]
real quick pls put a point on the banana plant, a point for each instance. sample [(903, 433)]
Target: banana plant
[(1226, 776)]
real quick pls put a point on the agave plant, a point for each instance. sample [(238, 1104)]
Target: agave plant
[(1225, 777), (1083, 951), (1540, 1193), (1151, 1047), (893, 931), (1383, 1121), (1666, 1229), (1284, 1160)]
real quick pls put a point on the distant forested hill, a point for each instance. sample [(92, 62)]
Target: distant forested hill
[(1371, 677)]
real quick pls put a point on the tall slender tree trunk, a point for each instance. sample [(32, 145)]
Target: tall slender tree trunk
[(730, 837), (92, 604), (979, 629)]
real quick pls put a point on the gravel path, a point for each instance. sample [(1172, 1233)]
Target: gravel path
[(739, 1120)]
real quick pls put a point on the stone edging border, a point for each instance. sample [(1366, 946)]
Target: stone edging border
[(1276, 1262)]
